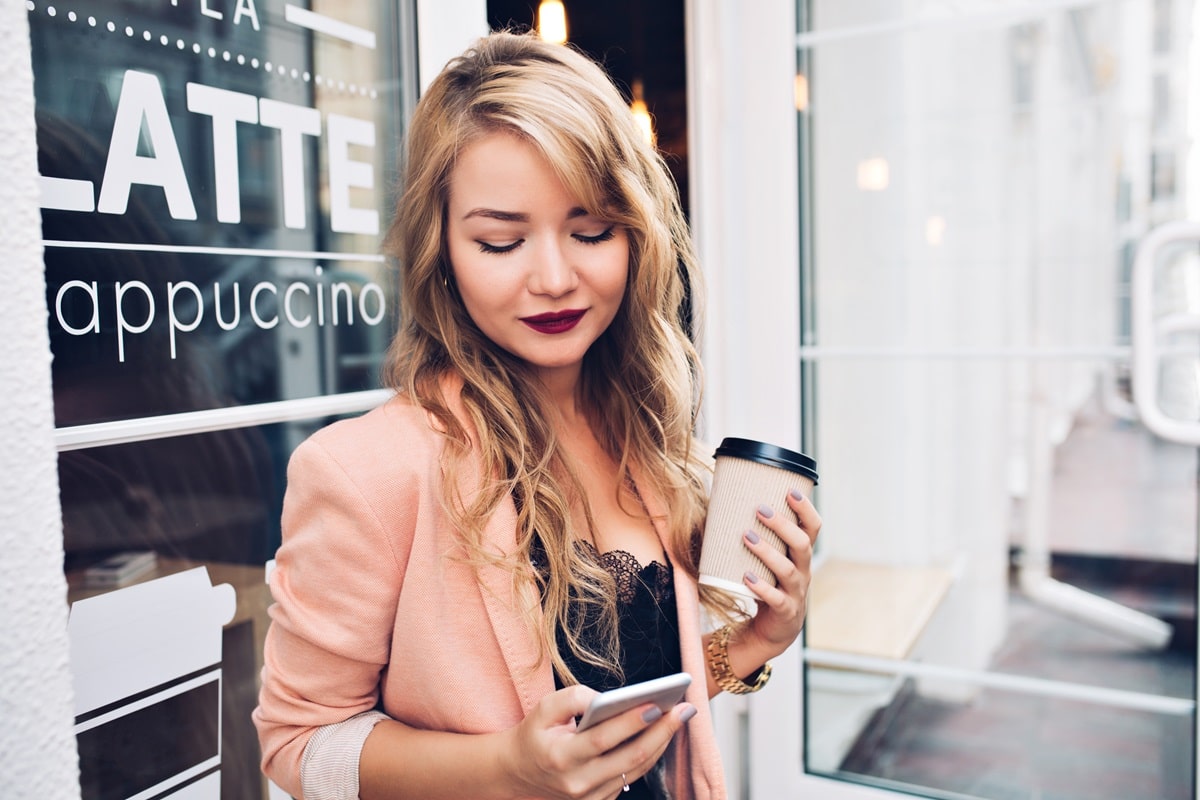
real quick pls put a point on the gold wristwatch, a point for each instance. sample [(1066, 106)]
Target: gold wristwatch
[(722, 672)]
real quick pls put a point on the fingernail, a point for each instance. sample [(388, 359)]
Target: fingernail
[(752, 537), (687, 713), (766, 511), (651, 714), (796, 495), (750, 576)]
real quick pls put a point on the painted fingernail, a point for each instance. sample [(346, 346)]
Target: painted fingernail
[(751, 577), (752, 537), (766, 511), (651, 714), (796, 495), (687, 713)]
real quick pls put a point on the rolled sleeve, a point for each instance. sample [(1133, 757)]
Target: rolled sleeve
[(329, 767)]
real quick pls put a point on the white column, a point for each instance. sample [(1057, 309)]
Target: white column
[(444, 29), (37, 742), (742, 133)]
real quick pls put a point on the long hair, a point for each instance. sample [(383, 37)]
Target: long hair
[(640, 380)]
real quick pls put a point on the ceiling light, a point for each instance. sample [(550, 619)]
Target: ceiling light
[(641, 114), (552, 21)]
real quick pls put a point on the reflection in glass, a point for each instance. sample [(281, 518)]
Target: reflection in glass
[(215, 182), (967, 345)]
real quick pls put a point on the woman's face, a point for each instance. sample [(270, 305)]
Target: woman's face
[(540, 276)]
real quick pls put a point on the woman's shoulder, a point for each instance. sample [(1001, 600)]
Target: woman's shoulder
[(397, 432)]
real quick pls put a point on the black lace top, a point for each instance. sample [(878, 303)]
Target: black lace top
[(647, 629)]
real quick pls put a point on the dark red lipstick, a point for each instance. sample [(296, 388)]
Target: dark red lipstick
[(556, 321)]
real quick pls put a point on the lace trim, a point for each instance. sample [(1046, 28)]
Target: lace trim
[(629, 573)]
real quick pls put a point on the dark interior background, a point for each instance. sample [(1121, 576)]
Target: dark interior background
[(633, 39)]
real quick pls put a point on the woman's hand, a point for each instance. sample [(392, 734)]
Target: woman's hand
[(547, 758), (781, 609)]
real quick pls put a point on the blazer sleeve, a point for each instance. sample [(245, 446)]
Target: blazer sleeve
[(335, 585)]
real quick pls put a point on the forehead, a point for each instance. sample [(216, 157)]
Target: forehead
[(504, 172)]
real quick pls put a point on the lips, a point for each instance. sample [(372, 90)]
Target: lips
[(556, 321)]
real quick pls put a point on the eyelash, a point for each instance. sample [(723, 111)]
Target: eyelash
[(484, 247), (493, 249), (607, 235)]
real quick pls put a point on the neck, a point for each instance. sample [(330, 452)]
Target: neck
[(562, 386)]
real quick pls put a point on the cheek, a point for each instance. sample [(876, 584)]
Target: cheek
[(466, 269), (622, 264), (617, 277), (481, 287)]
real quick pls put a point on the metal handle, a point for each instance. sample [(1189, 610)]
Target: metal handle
[(1147, 330)]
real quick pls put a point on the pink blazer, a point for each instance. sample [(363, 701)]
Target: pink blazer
[(371, 604)]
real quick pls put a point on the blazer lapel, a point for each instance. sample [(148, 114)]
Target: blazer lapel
[(530, 671), (515, 633)]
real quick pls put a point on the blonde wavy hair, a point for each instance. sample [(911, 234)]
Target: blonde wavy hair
[(640, 380)]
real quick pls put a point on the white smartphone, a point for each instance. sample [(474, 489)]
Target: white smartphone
[(664, 692)]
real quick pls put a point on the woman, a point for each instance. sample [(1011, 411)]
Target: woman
[(466, 566)]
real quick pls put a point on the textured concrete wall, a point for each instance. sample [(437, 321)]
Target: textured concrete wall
[(37, 743)]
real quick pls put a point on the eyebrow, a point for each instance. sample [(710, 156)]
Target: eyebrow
[(516, 216)]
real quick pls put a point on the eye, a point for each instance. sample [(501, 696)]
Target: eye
[(498, 249), (607, 235)]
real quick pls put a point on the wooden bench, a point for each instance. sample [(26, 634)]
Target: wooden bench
[(877, 610)]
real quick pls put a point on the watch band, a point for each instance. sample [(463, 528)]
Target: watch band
[(722, 671)]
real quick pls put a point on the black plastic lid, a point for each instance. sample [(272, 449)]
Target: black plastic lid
[(769, 454)]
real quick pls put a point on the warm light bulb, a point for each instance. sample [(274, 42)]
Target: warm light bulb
[(800, 90), (641, 114), (552, 21)]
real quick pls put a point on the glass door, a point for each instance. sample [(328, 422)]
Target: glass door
[(1001, 380)]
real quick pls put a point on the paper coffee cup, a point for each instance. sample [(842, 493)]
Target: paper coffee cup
[(748, 474)]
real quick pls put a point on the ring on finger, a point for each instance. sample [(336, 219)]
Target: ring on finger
[(624, 783)]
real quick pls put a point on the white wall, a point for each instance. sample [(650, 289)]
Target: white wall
[(444, 29), (742, 133), (37, 742)]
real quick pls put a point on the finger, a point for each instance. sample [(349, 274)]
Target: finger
[(777, 597), (784, 526), (798, 541), (638, 754), (565, 705), (792, 573), (609, 734), (789, 569), (806, 513)]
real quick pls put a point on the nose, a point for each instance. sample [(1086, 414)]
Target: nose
[(551, 272)]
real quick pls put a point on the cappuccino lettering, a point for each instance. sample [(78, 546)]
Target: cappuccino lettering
[(304, 303)]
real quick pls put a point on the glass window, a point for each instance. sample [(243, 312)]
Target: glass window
[(216, 178), (1004, 603)]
